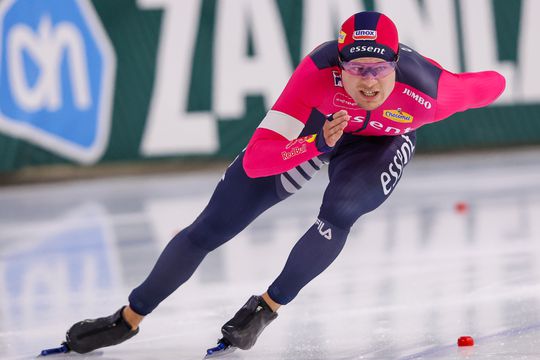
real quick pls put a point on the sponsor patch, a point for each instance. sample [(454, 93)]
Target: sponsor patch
[(366, 48), (358, 119), (300, 141), (345, 102), (341, 37), (337, 78), (404, 154), (365, 35), (311, 138), (286, 155), (398, 116), (326, 233), (418, 98)]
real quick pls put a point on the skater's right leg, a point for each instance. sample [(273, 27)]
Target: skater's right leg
[(236, 202)]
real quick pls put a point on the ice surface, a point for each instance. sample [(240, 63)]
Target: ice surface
[(414, 276)]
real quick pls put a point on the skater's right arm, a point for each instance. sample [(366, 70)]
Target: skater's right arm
[(276, 146)]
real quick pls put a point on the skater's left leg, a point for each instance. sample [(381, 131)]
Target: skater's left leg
[(358, 184), (363, 174)]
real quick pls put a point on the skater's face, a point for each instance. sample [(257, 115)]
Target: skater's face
[(369, 81)]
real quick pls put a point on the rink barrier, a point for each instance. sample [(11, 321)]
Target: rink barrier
[(148, 81)]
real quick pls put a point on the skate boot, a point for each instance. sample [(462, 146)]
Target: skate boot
[(92, 334), (89, 335), (244, 328)]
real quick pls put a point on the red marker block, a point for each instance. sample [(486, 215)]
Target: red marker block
[(465, 341), (461, 207)]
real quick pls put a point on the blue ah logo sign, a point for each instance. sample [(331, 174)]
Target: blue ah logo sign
[(57, 70)]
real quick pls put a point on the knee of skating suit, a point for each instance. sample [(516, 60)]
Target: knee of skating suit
[(92, 334), (247, 324)]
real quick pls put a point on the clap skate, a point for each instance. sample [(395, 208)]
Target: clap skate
[(242, 331), (92, 334)]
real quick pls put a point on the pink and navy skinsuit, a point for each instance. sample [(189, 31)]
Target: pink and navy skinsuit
[(287, 149)]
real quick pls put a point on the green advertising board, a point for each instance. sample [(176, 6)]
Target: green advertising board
[(88, 82)]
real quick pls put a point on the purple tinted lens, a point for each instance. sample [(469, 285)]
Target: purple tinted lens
[(375, 70)]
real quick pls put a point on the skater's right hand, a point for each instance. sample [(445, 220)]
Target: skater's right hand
[(333, 130)]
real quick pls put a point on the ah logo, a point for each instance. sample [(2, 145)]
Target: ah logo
[(57, 70), (327, 234)]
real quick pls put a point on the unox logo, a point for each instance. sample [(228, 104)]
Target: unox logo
[(398, 115), (365, 35), (57, 71)]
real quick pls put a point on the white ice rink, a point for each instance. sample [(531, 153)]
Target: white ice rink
[(414, 276)]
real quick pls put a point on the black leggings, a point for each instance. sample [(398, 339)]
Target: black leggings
[(363, 172)]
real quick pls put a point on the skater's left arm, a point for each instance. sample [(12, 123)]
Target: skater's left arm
[(459, 92)]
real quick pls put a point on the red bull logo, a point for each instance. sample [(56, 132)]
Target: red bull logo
[(297, 146), (365, 35)]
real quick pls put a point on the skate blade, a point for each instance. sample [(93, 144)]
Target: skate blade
[(219, 351), (69, 355), (62, 349), (66, 352)]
